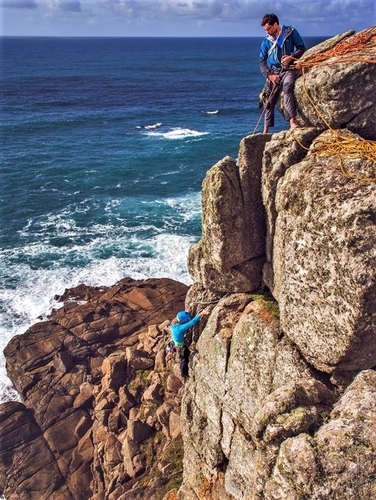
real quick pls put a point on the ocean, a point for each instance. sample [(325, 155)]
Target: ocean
[(105, 143)]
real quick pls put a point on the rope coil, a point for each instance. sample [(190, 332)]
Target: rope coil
[(365, 40), (345, 148)]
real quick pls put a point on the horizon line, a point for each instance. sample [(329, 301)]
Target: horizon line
[(149, 36)]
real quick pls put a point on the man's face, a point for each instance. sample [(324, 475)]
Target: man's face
[(271, 29)]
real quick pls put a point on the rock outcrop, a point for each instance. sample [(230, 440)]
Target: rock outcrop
[(280, 402), (231, 252), (324, 100), (100, 416), (288, 410)]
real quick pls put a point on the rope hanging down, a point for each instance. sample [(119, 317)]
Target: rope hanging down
[(345, 148)]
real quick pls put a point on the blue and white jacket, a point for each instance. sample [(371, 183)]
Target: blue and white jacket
[(289, 43)]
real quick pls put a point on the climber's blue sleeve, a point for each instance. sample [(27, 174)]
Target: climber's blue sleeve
[(178, 330)]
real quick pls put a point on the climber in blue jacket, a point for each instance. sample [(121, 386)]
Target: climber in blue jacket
[(279, 50), (179, 327)]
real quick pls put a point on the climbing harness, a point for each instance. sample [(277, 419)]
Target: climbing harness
[(266, 96)]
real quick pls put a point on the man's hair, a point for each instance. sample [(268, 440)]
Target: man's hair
[(269, 19)]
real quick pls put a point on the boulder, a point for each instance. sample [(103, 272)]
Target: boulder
[(338, 461), (231, 253), (138, 431), (324, 262), (338, 85)]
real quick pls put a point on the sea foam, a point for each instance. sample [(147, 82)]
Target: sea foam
[(33, 298), (176, 133)]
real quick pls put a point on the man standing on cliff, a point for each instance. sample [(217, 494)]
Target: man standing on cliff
[(279, 50)]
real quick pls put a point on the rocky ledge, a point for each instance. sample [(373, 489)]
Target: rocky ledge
[(280, 402), (101, 400)]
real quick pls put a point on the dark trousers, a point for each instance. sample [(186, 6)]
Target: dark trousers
[(184, 361), (286, 85)]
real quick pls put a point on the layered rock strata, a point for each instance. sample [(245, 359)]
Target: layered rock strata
[(100, 416)]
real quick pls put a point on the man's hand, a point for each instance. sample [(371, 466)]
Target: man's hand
[(286, 60), (205, 312), (274, 78)]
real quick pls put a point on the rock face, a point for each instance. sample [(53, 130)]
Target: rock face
[(324, 101), (101, 401), (265, 423), (231, 252), (326, 284), (280, 402), (339, 460)]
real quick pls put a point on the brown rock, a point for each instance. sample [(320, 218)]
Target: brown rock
[(163, 415), (63, 362), (138, 431), (85, 396), (154, 393), (72, 372), (139, 359), (160, 359), (174, 383), (174, 425), (21, 459), (114, 370)]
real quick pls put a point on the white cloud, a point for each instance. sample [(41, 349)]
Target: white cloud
[(191, 9), (220, 10), (313, 17), (19, 4), (62, 5)]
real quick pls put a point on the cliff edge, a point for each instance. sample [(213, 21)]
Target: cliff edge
[(281, 403)]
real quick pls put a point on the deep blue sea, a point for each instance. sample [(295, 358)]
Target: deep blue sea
[(104, 146)]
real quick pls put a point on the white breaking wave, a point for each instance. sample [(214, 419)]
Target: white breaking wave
[(149, 127), (176, 133), (156, 125), (99, 255), (212, 112)]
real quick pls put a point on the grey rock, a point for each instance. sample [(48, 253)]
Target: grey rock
[(339, 94), (231, 252), (324, 263)]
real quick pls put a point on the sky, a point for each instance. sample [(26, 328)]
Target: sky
[(193, 18)]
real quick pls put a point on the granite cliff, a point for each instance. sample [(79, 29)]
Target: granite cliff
[(280, 403)]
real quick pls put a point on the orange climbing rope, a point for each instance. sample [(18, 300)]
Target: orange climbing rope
[(341, 52), (345, 148)]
